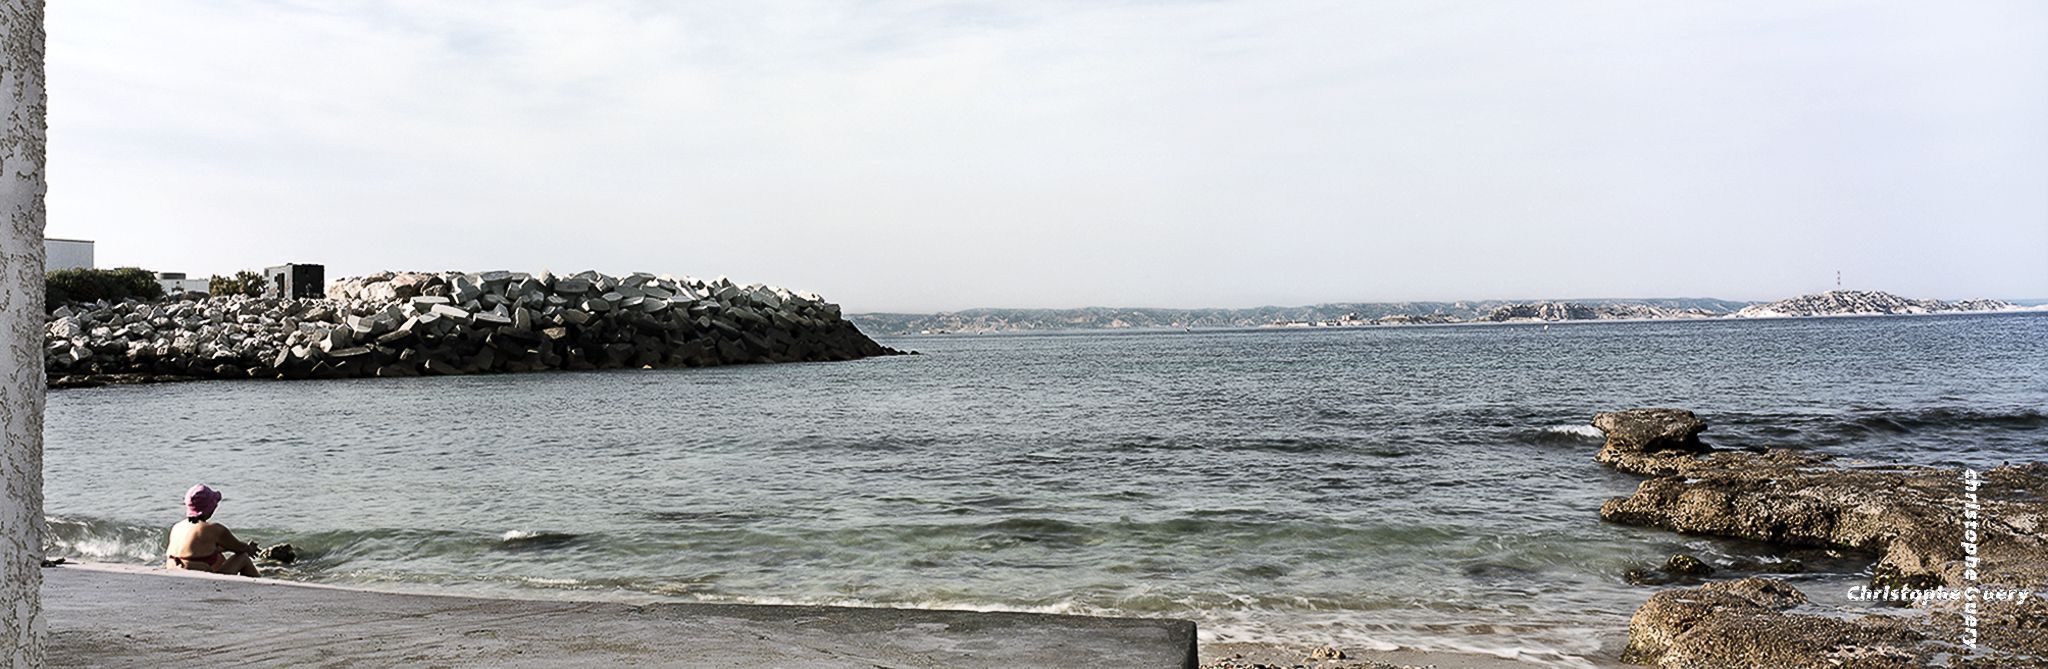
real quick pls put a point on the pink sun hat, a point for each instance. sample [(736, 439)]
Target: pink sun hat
[(201, 500)]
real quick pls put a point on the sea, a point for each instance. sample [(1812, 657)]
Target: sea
[(1405, 486)]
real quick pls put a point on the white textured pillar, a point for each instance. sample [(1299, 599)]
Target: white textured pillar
[(21, 332)]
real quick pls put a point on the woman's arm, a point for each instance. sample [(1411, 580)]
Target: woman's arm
[(228, 541)]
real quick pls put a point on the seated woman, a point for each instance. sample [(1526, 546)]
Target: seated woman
[(199, 544)]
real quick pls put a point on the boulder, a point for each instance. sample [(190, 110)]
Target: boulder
[(407, 286)]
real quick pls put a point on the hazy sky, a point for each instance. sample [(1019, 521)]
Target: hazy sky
[(927, 155)]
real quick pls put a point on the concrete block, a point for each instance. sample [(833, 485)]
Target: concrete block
[(451, 311)]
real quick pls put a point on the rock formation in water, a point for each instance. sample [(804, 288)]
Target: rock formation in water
[(1864, 303), (1912, 520), (406, 324), (1744, 623), (1649, 441)]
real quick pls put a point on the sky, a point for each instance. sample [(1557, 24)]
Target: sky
[(920, 156)]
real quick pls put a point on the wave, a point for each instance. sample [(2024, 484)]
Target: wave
[(101, 540), (1291, 445), (1865, 431), (1569, 433), (532, 540), (105, 540), (1912, 420)]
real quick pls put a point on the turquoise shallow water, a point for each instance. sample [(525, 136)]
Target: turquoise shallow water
[(1424, 486)]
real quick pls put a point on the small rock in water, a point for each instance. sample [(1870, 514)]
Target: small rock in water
[(1687, 565), (1773, 567), (1326, 653), (1677, 568), (281, 554)]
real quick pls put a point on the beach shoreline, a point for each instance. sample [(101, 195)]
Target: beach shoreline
[(1263, 655), (114, 615), (80, 641)]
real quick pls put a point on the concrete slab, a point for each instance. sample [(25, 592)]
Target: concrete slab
[(103, 616)]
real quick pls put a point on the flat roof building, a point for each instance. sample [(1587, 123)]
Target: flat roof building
[(301, 280), (176, 283), (66, 254)]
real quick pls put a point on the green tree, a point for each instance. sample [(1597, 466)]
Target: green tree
[(68, 286), (244, 282)]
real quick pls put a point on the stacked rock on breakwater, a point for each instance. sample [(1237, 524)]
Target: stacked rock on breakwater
[(409, 323), (1912, 521)]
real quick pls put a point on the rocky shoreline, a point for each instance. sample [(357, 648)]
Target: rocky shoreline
[(395, 324), (1926, 529)]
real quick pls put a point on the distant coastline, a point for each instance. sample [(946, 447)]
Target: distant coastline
[(1364, 314)]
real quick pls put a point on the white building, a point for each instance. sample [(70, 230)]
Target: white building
[(175, 283), (67, 254)]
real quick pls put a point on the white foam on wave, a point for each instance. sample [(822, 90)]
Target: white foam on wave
[(101, 540), (107, 549), (549, 582), (1356, 630), (518, 535), (1343, 629), (1577, 430)]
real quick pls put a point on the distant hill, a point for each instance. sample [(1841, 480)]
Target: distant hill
[(1862, 302), (1574, 311), (1336, 314)]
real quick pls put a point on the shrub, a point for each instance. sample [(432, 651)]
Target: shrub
[(244, 282), (67, 286)]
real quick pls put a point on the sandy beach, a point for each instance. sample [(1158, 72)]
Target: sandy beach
[(110, 615)]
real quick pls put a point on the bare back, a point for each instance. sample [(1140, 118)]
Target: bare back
[(203, 546), (194, 540)]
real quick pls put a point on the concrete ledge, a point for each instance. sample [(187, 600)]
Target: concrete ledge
[(131, 616)]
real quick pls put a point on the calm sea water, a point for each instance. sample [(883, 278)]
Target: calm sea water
[(1428, 486)]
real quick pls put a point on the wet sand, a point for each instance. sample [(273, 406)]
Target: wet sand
[(1286, 656)]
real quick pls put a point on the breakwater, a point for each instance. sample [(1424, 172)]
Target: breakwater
[(410, 323)]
